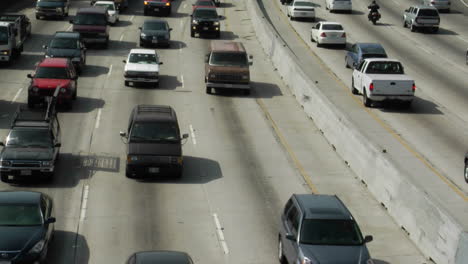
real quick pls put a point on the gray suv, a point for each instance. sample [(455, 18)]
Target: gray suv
[(320, 229), (420, 17)]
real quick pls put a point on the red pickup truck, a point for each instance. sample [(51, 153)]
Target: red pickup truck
[(51, 73)]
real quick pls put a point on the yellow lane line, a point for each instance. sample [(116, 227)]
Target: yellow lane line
[(447, 181)]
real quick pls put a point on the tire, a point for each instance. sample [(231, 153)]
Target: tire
[(412, 27), (365, 100), (435, 30), (218, 35), (374, 21), (75, 93), (404, 23), (281, 257), (38, 17), (192, 33), (353, 89), (128, 174), (318, 44), (246, 92), (156, 84), (466, 172), (208, 90), (30, 103), (346, 63), (311, 38)]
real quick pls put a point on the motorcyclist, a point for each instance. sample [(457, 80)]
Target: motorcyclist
[(373, 7)]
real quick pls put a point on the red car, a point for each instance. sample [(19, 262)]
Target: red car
[(203, 3), (51, 73)]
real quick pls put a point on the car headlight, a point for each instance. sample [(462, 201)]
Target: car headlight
[(143, 35), (195, 22), (216, 23), (38, 247), (59, 9), (46, 163), (5, 52), (5, 163), (63, 90), (49, 56), (132, 158), (35, 89)]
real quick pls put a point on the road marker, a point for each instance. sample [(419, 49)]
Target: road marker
[(98, 118), (110, 70), (84, 203), (121, 37), (182, 80), (16, 96), (219, 231), (192, 135)]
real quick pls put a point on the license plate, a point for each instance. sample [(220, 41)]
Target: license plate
[(156, 9), (24, 173), (205, 28), (153, 170), (154, 41)]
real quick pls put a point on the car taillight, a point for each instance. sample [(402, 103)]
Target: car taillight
[(168, 4), (323, 35), (145, 2), (414, 87), (344, 35), (371, 87)]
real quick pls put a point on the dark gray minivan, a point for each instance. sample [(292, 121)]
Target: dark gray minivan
[(320, 229)]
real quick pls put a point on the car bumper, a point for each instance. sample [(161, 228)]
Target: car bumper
[(27, 173), (157, 9), (150, 42), (303, 14), (61, 99), (228, 85), (142, 80), (49, 14), (206, 29), (338, 41), (153, 170), (382, 98)]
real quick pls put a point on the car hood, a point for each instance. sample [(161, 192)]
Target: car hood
[(50, 4), (16, 238), (63, 53), (89, 28), (229, 69), (142, 67), (27, 153), (329, 254), (155, 32), (157, 149), (50, 83)]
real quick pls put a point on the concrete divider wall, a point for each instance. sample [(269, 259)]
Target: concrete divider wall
[(432, 229)]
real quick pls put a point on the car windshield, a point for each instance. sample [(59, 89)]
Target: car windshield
[(154, 26), (142, 58), (384, 67), (332, 27), (90, 19), (330, 232), (428, 12), (51, 0), (205, 13), (37, 138), (228, 58), (154, 131), (301, 3), (51, 73), (64, 43), (20, 215), (109, 6), (3, 36)]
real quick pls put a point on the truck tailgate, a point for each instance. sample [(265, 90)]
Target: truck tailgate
[(389, 84)]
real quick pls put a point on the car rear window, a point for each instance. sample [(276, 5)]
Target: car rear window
[(332, 27), (204, 3), (228, 59), (373, 50), (373, 55), (384, 67), (20, 215), (330, 232), (301, 3), (209, 13), (154, 26), (51, 73), (428, 12), (90, 19)]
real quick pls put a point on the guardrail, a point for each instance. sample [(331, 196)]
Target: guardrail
[(428, 225)]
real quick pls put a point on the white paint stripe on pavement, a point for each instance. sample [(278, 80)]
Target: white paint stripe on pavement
[(68, 28), (185, 5), (396, 2), (182, 80), (463, 2), (84, 203), (121, 37), (110, 70), (219, 231), (98, 118), (131, 19), (16, 95), (192, 135), (462, 38)]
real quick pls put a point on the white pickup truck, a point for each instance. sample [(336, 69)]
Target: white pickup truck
[(382, 79)]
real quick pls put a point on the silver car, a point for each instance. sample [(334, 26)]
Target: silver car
[(421, 17), (439, 4)]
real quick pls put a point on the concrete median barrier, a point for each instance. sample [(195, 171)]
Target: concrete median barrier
[(438, 235)]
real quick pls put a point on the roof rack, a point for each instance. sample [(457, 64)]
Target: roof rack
[(26, 114), (154, 108)]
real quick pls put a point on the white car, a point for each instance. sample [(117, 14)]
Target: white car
[(339, 5), (301, 9), (328, 33), (142, 66), (111, 10)]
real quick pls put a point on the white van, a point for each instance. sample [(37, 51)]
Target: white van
[(338, 5)]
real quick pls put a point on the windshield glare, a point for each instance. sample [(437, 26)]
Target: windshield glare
[(205, 13), (64, 43), (20, 215), (154, 131), (228, 58), (51, 73), (143, 58), (330, 232), (155, 26), (39, 138), (385, 67), (90, 19)]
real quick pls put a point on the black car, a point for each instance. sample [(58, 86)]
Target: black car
[(160, 256), (154, 145), (361, 51), (26, 226), (32, 146), (157, 7), (52, 8), (205, 21), (155, 33), (66, 44)]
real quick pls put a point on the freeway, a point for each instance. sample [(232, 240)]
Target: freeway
[(244, 158)]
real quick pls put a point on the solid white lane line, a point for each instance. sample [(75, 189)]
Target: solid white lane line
[(84, 203), (185, 5), (464, 3), (121, 37), (68, 28), (98, 118), (462, 38), (131, 19), (219, 231), (396, 2), (182, 80), (110, 70), (16, 95), (192, 135)]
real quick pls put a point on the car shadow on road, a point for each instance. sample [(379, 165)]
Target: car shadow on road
[(419, 106), (122, 23), (226, 5), (444, 31), (176, 44), (378, 261), (178, 15), (196, 170), (383, 24), (166, 82), (356, 13), (258, 90), (84, 104), (94, 71), (228, 35), (7, 110), (68, 247), (24, 62)]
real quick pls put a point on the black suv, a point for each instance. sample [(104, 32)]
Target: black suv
[(205, 21), (153, 140), (66, 44), (32, 146)]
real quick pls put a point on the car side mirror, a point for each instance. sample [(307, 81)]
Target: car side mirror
[(123, 134), (220, 17), (184, 136), (124, 61), (44, 46), (58, 145), (170, 29), (368, 239), (290, 237), (355, 64), (2, 144), (71, 21), (160, 63), (29, 76), (250, 63), (50, 220)]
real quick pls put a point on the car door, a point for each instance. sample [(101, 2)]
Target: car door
[(357, 76), (291, 227), (315, 30), (56, 135)]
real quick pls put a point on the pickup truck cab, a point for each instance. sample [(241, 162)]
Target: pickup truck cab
[(93, 25), (420, 17), (382, 79)]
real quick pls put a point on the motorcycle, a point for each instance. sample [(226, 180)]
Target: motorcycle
[(374, 17)]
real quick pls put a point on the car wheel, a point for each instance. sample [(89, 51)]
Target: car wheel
[(128, 174), (412, 27), (156, 85), (318, 44), (192, 33), (281, 257), (126, 83), (365, 100), (435, 29), (246, 91), (38, 17), (30, 103), (404, 23), (208, 90), (466, 172), (218, 35), (353, 89)]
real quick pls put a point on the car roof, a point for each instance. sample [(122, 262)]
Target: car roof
[(67, 34), (323, 207), (425, 7), (93, 10), (148, 113), (224, 45), (372, 47), (162, 256), (330, 23), (19, 197), (143, 51), (54, 62), (381, 59)]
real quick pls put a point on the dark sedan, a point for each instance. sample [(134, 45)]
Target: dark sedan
[(26, 226), (160, 256), (155, 33), (360, 51), (67, 45)]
